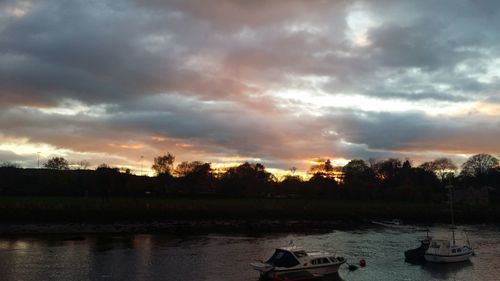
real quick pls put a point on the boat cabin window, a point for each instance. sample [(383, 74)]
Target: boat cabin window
[(320, 261), (453, 251), (300, 254), (282, 258), (459, 250)]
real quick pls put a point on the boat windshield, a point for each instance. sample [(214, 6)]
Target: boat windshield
[(300, 254), (282, 258)]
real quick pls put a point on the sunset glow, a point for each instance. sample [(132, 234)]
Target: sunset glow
[(227, 82)]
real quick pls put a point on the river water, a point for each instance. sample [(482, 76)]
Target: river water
[(215, 257)]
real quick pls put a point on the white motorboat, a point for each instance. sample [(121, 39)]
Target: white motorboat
[(446, 251), (443, 251), (288, 260)]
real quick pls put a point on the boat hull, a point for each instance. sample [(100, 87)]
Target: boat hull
[(448, 258), (417, 254)]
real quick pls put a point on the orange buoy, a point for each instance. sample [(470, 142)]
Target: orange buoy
[(362, 262)]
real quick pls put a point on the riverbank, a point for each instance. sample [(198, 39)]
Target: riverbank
[(88, 215), (175, 227)]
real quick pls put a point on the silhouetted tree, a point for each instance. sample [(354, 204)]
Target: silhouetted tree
[(185, 168), (291, 185), (322, 185), (442, 167), (195, 176), (406, 165), (107, 180), (356, 168), (104, 166), (163, 164), (357, 174), (57, 163), (323, 167), (478, 165), (247, 179), (387, 170), (404, 173), (414, 184)]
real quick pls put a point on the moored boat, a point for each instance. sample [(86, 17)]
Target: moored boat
[(289, 260), (417, 254), (446, 251), (391, 223), (395, 223)]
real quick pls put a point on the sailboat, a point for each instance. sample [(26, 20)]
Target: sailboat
[(446, 251)]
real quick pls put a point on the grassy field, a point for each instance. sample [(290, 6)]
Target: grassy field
[(60, 209)]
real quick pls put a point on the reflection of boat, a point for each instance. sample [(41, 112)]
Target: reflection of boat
[(297, 261), (439, 271), (445, 251)]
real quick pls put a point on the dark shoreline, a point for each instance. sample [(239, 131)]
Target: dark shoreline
[(25, 215), (175, 227), (197, 227)]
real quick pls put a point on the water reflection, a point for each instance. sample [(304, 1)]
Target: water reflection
[(445, 271), (219, 257), (333, 277)]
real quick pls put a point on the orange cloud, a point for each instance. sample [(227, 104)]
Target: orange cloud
[(127, 146)]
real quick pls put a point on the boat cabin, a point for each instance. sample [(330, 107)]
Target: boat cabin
[(290, 257), (444, 247), (283, 258), (294, 263)]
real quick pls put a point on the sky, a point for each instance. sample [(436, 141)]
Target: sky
[(276, 82)]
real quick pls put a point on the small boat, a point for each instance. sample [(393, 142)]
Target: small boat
[(442, 251), (417, 254), (446, 251), (391, 223), (295, 260)]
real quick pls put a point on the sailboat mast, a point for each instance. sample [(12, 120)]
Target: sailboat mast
[(452, 216)]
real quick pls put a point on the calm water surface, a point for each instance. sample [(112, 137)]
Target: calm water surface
[(223, 257)]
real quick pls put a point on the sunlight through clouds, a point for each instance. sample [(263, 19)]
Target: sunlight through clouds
[(360, 21), (314, 102), (22, 146), (19, 9), (72, 107), (233, 81)]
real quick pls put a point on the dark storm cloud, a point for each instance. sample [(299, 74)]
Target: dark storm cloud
[(93, 53), (199, 74), (106, 51), (414, 131)]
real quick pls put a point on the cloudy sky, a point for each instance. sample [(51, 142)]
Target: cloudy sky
[(276, 82)]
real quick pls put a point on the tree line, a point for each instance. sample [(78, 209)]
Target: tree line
[(389, 179)]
